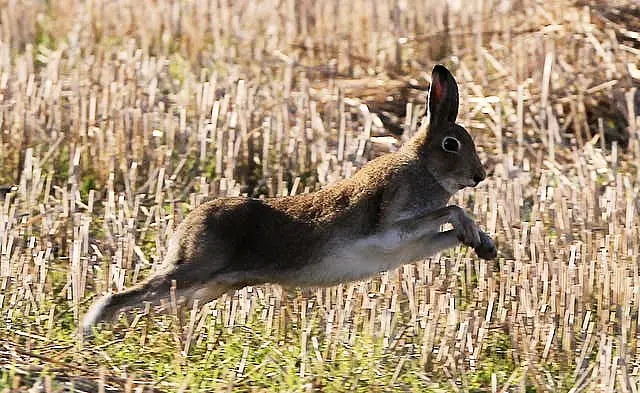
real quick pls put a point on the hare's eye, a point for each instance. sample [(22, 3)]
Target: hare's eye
[(451, 144)]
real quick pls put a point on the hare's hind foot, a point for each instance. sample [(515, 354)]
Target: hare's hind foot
[(107, 308)]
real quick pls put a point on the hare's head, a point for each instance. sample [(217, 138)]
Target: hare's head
[(448, 150)]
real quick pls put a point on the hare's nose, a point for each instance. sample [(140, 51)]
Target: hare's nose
[(478, 177)]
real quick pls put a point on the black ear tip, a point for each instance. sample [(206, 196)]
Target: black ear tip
[(441, 72), (439, 68)]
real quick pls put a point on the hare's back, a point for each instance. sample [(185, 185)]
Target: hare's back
[(246, 233)]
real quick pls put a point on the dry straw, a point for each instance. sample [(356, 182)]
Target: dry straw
[(118, 117)]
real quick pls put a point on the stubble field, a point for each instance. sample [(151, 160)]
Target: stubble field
[(118, 117)]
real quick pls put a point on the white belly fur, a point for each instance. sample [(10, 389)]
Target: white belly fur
[(355, 260)]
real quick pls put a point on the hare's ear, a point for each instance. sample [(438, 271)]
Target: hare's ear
[(443, 96)]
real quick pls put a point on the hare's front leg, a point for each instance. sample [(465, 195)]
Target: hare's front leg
[(426, 229)]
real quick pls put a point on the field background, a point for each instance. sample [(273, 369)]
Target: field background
[(118, 117)]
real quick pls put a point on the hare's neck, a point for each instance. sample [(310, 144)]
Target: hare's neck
[(413, 192), (427, 193), (417, 141), (427, 183)]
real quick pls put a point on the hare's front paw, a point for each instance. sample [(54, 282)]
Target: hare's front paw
[(486, 249), (466, 230)]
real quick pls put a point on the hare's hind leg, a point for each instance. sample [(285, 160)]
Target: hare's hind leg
[(153, 290), (190, 284), (107, 308), (222, 283), (207, 292)]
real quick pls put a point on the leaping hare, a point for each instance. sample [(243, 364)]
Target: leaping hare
[(389, 213)]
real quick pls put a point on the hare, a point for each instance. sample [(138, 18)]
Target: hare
[(387, 214)]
